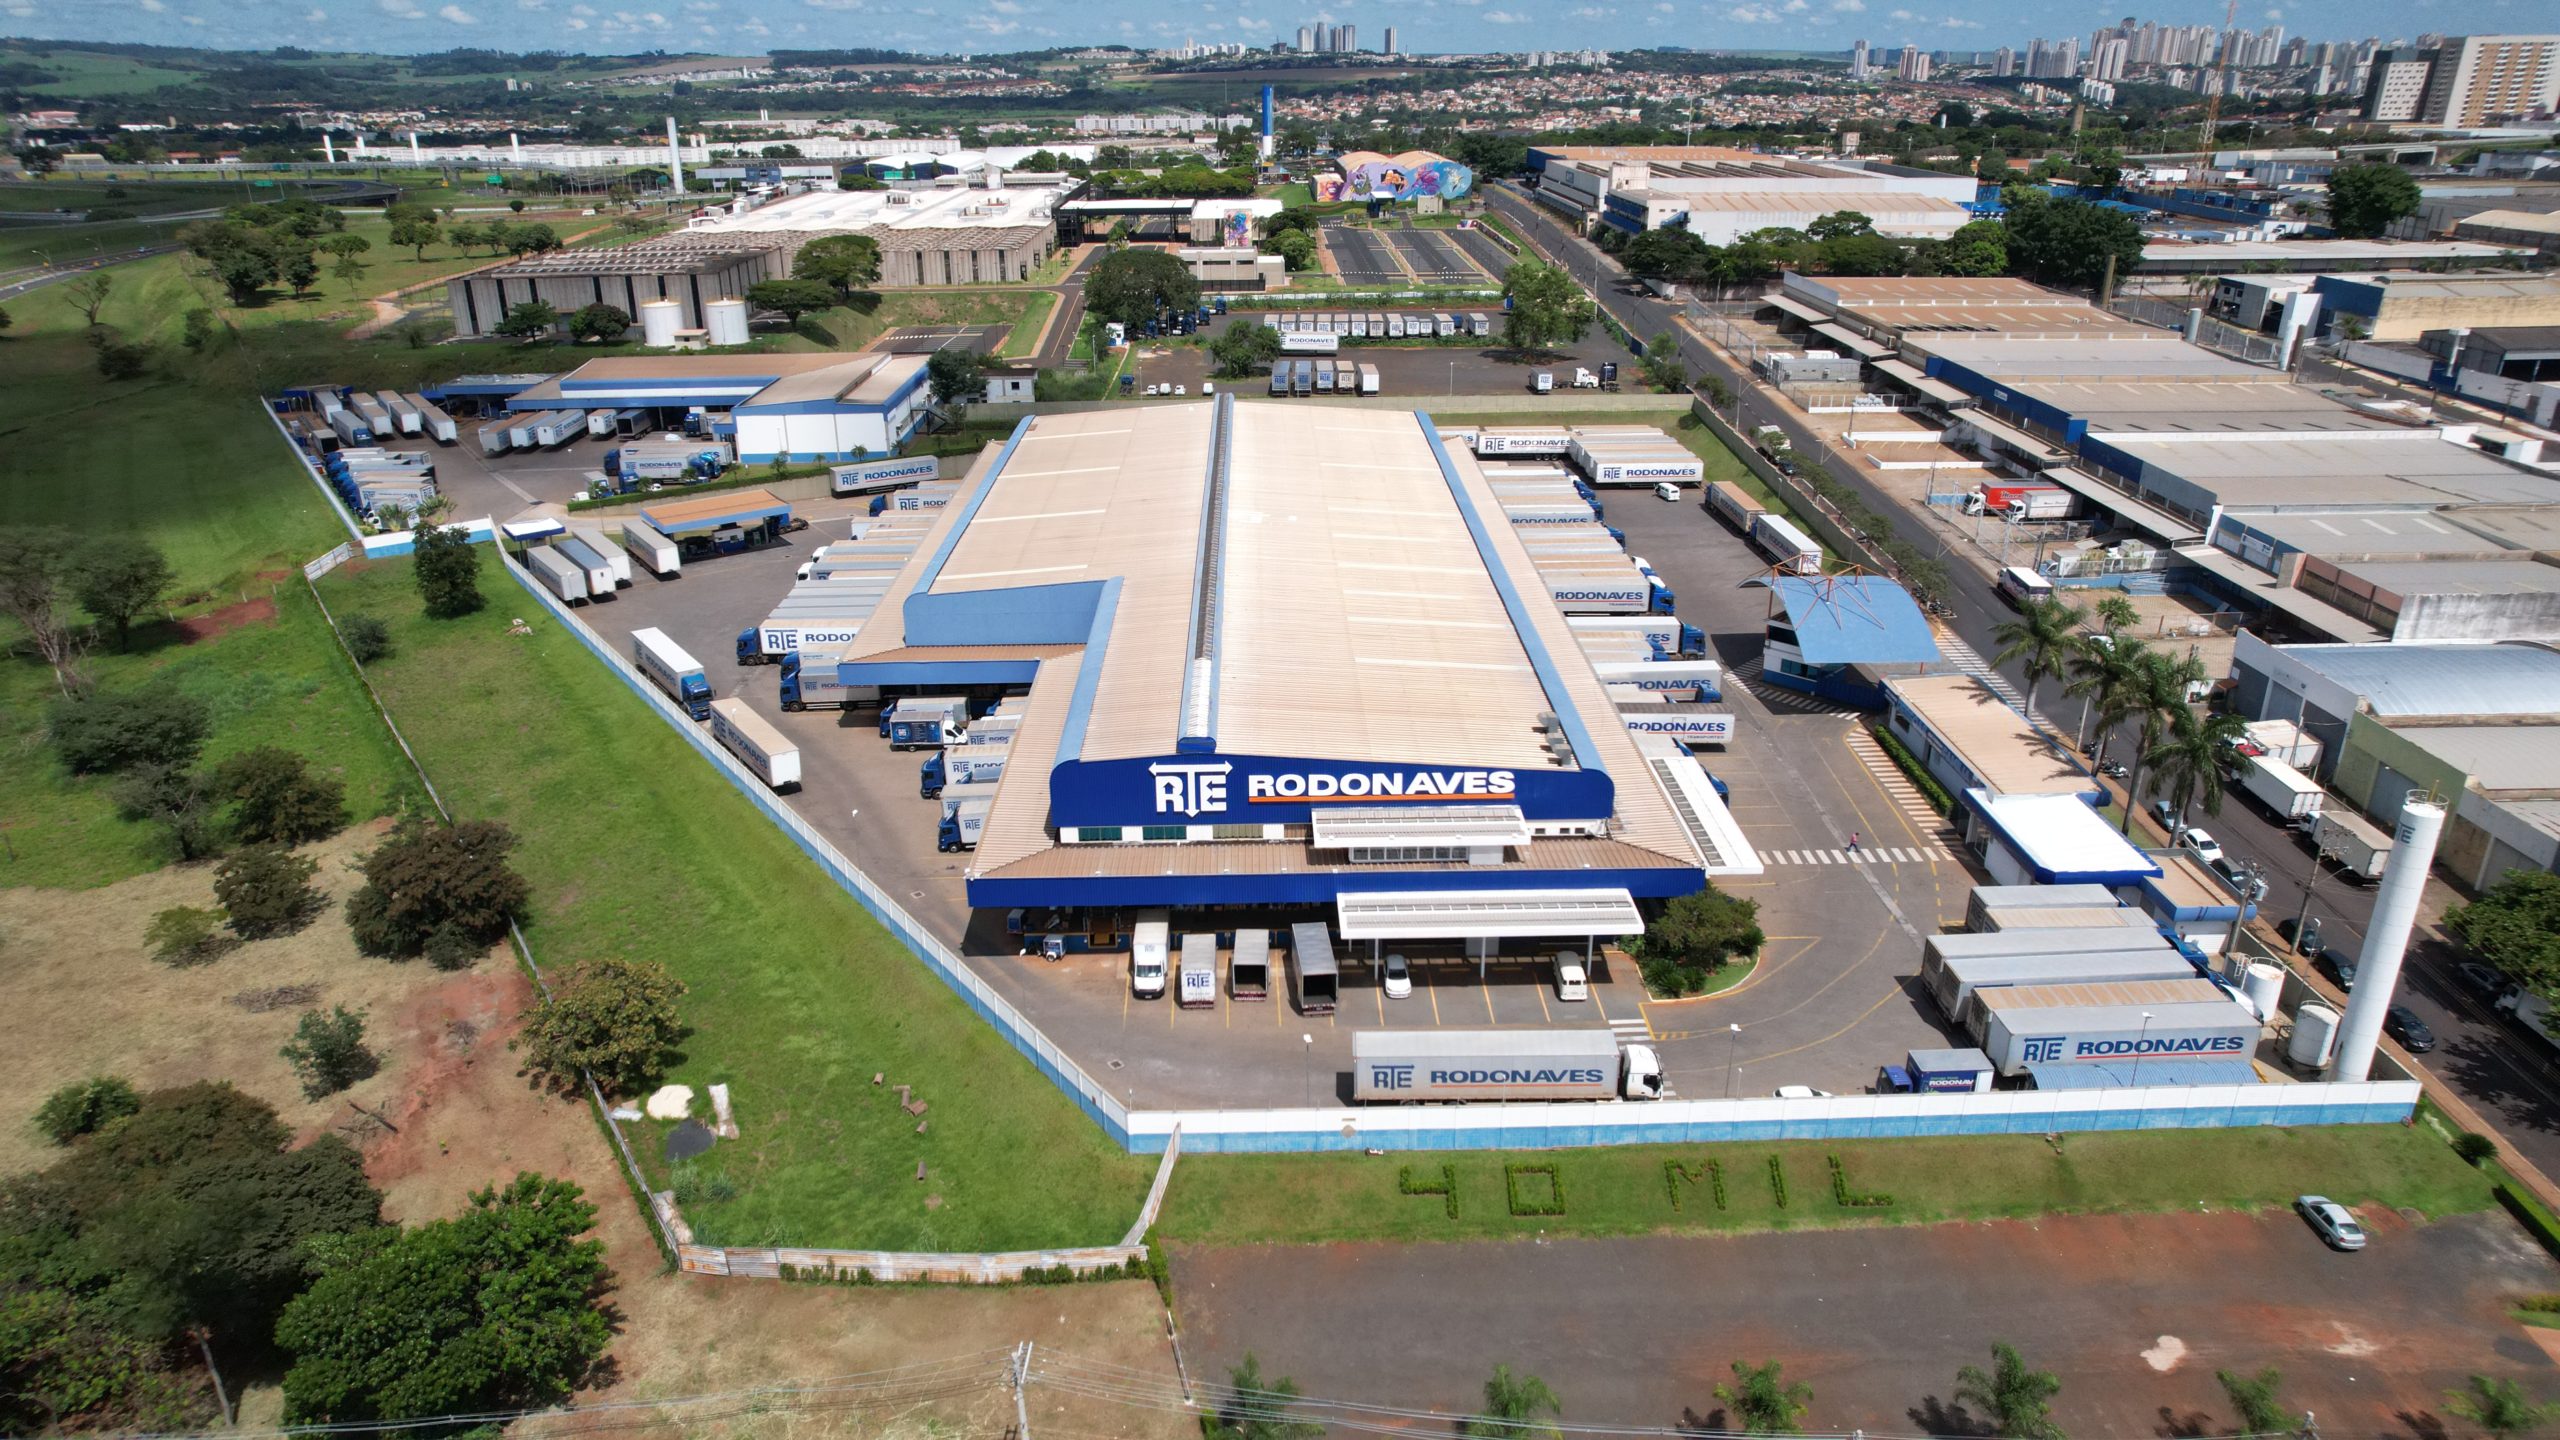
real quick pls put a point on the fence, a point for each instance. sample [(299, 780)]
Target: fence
[(2213, 334)]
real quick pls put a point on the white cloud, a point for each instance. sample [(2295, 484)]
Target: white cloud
[(835, 4), (1958, 22), (1904, 15), (985, 25), (1796, 7), (575, 23), (155, 7), (1853, 7), (456, 15), (192, 19), (401, 10), (1752, 15), (1005, 7), (1587, 12)]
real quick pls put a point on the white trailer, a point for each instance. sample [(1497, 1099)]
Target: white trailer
[(558, 573), (2295, 798), (749, 736), (599, 570), (654, 551), (436, 425), (1791, 549), (2360, 847), (559, 427), (614, 555), (495, 438), (403, 413), (600, 424), (520, 429)]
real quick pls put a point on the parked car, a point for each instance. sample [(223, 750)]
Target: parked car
[(2310, 943), (2200, 841), (1802, 1092), (2402, 1024), (2485, 981), (1396, 977), (2341, 967), (2243, 883), (2332, 1222)]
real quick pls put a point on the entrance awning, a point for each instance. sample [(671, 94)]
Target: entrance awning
[(1853, 342), (1906, 373), (1484, 914), (1364, 825)]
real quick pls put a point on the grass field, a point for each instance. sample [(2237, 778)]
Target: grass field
[(635, 847), (874, 315), (1229, 1199), (152, 198)]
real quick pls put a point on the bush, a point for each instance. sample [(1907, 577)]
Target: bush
[(185, 936), (276, 800), (1853, 1199), (693, 1185), (446, 566), (85, 1108), (328, 1051), (614, 1019), (452, 947), (1695, 937), (1446, 1187), (175, 797), (2474, 1147), (2545, 1304), (1912, 770), (1526, 1200), (430, 877), (267, 890), (111, 732), (368, 639)]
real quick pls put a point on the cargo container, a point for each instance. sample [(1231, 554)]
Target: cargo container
[(433, 422), (1535, 441), (1705, 677), (594, 538), (655, 552), (1964, 1071), (600, 424), (669, 457), (2291, 796), (1734, 505), (351, 428), (403, 411), (1986, 898), (997, 727), (2284, 742), (1409, 1066), (2360, 847), (1667, 634), (1688, 726), (493, 438), (1249, 966), (559, 574), (559, 428), (1677, 468), (2005, 918), (1303, 342), (376, 418), (1479, 325), (1951, 964), (1150, 954), (961, 829), (599, 569), (870, 477), (1789, 548), (812, 681), (1196, 980), (2221, 1029), (1970, 980), (760, 747), (1547, 512), (1314, 981), (2028, 501), (673, 670), (919, 721), (781, 635)]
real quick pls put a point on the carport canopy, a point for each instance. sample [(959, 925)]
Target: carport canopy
[(1366, 825), (1484, 914), (1922, 385)]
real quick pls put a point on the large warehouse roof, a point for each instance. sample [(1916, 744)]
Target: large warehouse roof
[(2399, 468), (2152, 355), (944, 207), (2419, 680)]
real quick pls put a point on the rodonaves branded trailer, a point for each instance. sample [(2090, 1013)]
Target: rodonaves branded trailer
[(811, 680), (673, 670), (598, 567), (655, 552), (1422, 1066), (594, 539), (559, 574), (753, 739)]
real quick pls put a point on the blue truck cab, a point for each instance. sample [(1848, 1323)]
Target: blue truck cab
[(1663, 600), (930, 776), (751, 647), (696, 698)]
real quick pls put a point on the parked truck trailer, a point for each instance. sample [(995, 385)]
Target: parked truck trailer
[(672, 669), (753, 739), (2360, 847), (559, 574), (2293, 797), (812, 681), (655, 552), (1423, 1066)]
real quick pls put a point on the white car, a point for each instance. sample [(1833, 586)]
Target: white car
[(1396, 977), (1573, 983), (2332, 1222), (1802, 1092), (2206, 847), (1665, 490), (1181, 389)]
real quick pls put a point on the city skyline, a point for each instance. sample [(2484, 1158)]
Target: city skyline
[(1820, 27)]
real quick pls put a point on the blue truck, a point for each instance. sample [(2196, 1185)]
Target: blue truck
[(961, 764), (815, 684), (672, 670), (921, 723)]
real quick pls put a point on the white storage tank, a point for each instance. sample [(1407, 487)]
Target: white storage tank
[(2262, 985), (2315, 1037), (726, 318), (659, 320)]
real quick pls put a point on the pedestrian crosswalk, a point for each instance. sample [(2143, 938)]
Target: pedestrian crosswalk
[(1969, 660), (1897, 786), (1746, 678), (1863, 855), (1630, 1027)]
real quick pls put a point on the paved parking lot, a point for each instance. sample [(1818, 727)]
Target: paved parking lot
[(1483, 249), (1640, 1331), (925, 339), (1361, 258), (1433, 259)]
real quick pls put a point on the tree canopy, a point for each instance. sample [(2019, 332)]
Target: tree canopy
[(844, 263), (2515, 927), (1546, 308), (2069, 242), (2365, 199), (1135, 285)]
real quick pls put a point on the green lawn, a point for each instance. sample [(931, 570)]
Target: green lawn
[(1232, 1199), (140, 197), (635, 847), (1293, 195)]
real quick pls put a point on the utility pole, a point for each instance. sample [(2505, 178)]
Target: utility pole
[(1021, 1411)]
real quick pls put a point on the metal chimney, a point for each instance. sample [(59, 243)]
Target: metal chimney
[(2395, 910), (675, 157)]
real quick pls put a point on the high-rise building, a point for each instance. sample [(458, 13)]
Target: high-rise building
[(1306, 39), (1913, 64), (1858, 60), (1392, 47), (1346, 39), (2478, 79), (2107, 58), (2004, 61)]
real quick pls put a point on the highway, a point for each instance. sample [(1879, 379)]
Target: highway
[(2484, 1058)]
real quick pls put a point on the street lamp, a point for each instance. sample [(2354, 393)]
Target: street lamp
[(2137, 1047), (1731, 1053), (1308, 1070), (1453, 377)]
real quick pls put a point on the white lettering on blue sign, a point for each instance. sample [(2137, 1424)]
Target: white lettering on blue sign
[(1190, 789)]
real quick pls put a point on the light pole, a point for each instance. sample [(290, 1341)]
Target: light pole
[(1732, 1053), (1453, 377), (2137, 1047), (1307, 1049)]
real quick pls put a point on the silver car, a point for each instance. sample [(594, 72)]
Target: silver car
[(2331, 1221)]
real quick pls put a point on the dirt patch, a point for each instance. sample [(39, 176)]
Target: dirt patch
[(230, 617)]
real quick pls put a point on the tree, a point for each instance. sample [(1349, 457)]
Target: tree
[(2103, 678), (523, 240), (2045, 635), (1860, 254), (85, 1107), (794, 298), (1516, 1407), (367, 638), (67, 1367), (611, 1018), (199, 329), (2159, 697), (599, 322), (117, 730), (1546, 308), (2114, 612), (2515, 927), (843, 263), (2500, 1407), (187, 935), (2069, 242), (1696, 936), (245, 273), (957, 375), (2187, 766), (1840, 223), (2016, 1401), (494, 1309), (1664, 370), (1673, 253), (1762, 1403), (1245, 347), (529, 320), (2365, 199), (428, 878), (116, 577), (1255, 1409), (1979, 247), (89, 295), (300, 272), (2254, 1397), (415, 233), (463, 236), (347, 248), (121, 359), (173, 796), (276, 800), (328, 1052), (1135, 286), (267, 891), (1296, 249), (447, 568)]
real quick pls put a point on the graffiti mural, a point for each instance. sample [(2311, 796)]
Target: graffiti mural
[(1416, 173)]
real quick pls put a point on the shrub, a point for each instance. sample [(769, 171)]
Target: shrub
[(176, 798), (85, 1107), (276, 800), (1695, 937), (446, 566), (1675, 1174), (1912, 770), (429, 876), (1852, 1199), (367, 638), (267, 890), (1778, 1182), (328, 1051), (2474, 1147), (1446, 1188), (2540, 1304), (693, 1185), (614, 1019), (184, 936), (452, 947), (1531, 1203), (106, 733)]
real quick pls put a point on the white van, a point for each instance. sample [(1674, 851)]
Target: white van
[(1572, 981), (1543, 383), (2021, 586), (1665, 490), (1150, 952)]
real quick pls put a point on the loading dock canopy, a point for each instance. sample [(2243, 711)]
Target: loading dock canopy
[(1853, 342), (1798, 309), (1908, 374), (1484, 914), (1366, 825)]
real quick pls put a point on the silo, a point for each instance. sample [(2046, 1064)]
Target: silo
[(659, 320), (726, 319), (2315, 1037), (2262, 985)]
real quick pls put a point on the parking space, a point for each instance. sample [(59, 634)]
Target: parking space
[(925, 339), (504, 486), (1483, 249), (1361, 258), (1433, 259)]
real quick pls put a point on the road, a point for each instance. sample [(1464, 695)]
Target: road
[(2481, 1057)]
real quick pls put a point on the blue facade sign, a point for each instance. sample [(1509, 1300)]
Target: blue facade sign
[(1269, 790)]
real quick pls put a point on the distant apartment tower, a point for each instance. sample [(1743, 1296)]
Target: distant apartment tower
[(2107, 58), (1913, 64), (2004, 61), (2476, 79), (1393, 48), (1306, 39), (1346, 39), (1858, 60)]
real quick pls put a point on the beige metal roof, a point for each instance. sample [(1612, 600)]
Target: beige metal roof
[(2010, 756)]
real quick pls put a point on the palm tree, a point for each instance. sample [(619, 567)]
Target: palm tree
[(1516, 1407), (2114, 611), (2016, 1400), (1761, 1403), (2043, 638), (2159, 697), (2188, 765), (1256, 1410), (2500, 1407), (2103, 675)]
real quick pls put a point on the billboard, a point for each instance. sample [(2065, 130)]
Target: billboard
[(1399, 180)]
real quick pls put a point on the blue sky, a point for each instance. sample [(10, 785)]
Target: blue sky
[(749, 26)]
